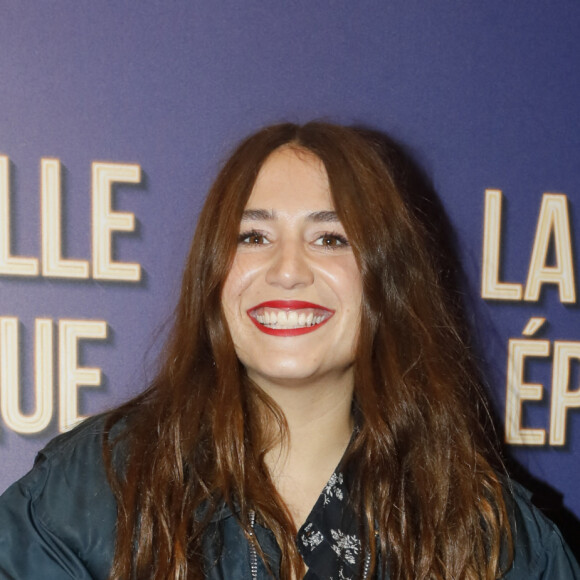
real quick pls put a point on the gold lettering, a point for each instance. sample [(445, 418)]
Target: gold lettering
[(50, 195), (491, 287), (562, 398), (106, 221), (10, 265), (71, 376), (517, 391), (9, 376), (553, 222)]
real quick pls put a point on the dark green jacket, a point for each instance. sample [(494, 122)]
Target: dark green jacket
[(58, 522)]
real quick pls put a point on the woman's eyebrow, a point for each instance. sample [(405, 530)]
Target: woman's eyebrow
[(268, 215), (257, 214), (323, 216)]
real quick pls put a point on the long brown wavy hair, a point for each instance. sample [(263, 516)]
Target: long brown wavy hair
[(430, 503)]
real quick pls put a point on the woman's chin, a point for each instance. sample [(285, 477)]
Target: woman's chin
[(298, 376)]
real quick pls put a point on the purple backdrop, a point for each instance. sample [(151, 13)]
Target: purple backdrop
[(485, 96)]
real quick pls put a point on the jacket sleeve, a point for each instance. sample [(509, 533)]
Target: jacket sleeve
[(58, 521), (558, 561), (540, 552), (29, 549)]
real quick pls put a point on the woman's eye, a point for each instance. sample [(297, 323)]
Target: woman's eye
[(253, 239), (331, 241)]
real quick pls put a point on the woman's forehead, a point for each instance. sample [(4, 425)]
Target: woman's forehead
[(291, 179)]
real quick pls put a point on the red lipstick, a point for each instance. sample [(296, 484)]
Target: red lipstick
[(289, 317)]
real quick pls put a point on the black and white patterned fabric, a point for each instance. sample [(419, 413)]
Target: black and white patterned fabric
[(329, 540)]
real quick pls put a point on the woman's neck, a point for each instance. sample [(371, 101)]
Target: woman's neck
[(319, 430)]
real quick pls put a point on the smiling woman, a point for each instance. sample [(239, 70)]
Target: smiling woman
[(294, 289), (316, 411)]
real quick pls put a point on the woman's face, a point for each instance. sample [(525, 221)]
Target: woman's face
[(292, 299)]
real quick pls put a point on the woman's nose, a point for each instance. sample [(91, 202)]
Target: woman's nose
[(289, 267)]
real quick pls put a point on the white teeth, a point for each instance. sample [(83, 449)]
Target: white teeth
[(289, 319)]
